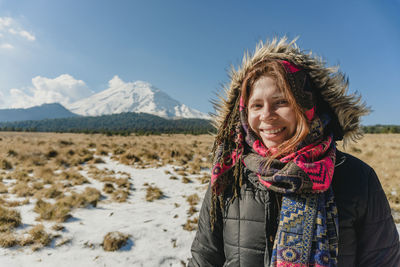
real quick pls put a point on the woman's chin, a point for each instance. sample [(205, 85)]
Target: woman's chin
[(272, 140), (271, 145)]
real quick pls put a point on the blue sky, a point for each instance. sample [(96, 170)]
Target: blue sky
[(71, 49)]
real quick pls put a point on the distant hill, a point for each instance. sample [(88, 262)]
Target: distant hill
[(123, 123), (45, 111)]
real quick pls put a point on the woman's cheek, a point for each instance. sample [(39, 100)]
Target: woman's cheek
[(253, 120)]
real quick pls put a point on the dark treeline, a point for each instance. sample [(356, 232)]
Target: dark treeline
[(381, 129), (122, 124)]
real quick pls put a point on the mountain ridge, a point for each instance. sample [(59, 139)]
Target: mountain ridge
[(44, 111)]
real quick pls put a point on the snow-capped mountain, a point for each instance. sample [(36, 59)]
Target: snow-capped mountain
[(136, 96)]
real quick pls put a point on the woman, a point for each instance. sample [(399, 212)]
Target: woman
[(281, 194)]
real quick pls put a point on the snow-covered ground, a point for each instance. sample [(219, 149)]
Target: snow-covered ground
[(157, 236)]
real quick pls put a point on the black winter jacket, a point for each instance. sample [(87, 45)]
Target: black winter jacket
[(245, 230)]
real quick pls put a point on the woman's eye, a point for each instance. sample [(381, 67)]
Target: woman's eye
[(255, 105), (282, 102)]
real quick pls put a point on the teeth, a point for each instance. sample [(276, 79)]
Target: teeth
[(273, 131)]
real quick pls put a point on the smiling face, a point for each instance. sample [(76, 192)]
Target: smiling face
[(270, 115)]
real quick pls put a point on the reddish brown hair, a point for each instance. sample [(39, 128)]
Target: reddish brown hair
[(276, 71)]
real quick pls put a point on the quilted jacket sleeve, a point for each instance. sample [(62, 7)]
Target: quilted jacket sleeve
[(207, 248), (378, 239)]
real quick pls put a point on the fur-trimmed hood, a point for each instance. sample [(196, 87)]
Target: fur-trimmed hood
[(328, 82)]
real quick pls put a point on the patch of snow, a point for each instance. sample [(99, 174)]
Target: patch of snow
[(157, 236)]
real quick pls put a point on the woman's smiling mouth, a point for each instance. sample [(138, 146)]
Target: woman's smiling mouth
[(274, 131)]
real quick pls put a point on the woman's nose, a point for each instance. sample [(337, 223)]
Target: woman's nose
[(267, 114)]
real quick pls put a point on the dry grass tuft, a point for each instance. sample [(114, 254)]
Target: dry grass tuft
[(123, 183), (8, 240), (59, 211), (120, 195), (9, 219), (88, 197), (114, 241), (5, 164), (173, 241), (129, 159), (153, 193), (102, 152), (74, 178), (186, 180), (53, 212), (182, 173), (63, 241), (38, 237), (20, 175), (36, 159), (12, 153), (3, 188), (191, 224), (98, 160), (92, 196), (38, 186), (22, 189), (58, 227), (51, 153), (45, 173), (108, 188), (63, 143), (14, 203), (55, 191), (192, 210), (193, 200)]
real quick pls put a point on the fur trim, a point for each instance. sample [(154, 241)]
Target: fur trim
[(331, 84)]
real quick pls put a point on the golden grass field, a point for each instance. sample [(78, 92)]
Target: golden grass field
[(45, 167)]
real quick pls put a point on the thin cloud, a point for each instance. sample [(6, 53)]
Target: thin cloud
[(6, 46), (27, 35), (23, 34), (5, 22), (10, 29), (63, 89)]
